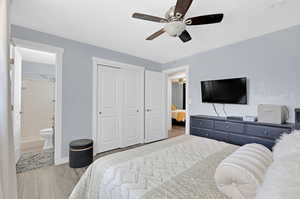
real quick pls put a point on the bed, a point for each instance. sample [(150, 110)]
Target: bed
[(178, 117), (177, 168)]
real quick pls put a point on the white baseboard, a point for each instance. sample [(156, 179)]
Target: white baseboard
[(62, 161)]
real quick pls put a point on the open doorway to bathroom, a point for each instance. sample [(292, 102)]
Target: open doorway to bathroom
[(177, 101), (34, 100)]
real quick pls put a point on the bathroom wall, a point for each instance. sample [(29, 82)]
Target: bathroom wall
[(37, 99), (37, 107)]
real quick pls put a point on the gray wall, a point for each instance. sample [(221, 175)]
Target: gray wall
[(77, 80), (271, 62), (177, 95)]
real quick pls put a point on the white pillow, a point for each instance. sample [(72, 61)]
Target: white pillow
[(241, 173), (286, 145), (282, 180)]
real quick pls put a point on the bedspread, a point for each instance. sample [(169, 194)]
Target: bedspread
[(177, 168)]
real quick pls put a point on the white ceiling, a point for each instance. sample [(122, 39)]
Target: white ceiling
[(108, 23), (37, 56)]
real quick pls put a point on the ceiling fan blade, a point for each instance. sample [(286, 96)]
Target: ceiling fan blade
[(206, 19), (157, 34), (149, 18), (182, 6), (185, 36)]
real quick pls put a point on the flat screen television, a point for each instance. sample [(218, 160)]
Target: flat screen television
[(225, 91)]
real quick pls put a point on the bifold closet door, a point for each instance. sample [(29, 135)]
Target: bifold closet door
[(132, 107), (109, 110), (155, 106)]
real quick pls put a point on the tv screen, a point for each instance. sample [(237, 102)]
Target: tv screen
[(225, 91)]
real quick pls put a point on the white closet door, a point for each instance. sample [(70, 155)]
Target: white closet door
[(109, 114), (155, 106), (132, 120)]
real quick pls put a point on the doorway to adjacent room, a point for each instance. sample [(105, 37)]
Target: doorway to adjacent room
[(36, 104), (177, 96)]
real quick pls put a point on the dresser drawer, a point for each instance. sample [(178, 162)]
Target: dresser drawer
[(220, 136), (229, 127), (200, 132), (243, 139), (202, 123), (265, 131)]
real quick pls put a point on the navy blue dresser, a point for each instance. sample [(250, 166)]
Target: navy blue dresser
[(237, 132)]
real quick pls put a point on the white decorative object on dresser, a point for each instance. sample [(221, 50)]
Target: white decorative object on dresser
[(274, 114), (249, 118)]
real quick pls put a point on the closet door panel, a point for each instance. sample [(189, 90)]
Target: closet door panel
[(155, 105), (109, 117), (132, 120)]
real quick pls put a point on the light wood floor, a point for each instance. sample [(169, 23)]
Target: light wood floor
[(57, 182), (54, 182), (176, 131)]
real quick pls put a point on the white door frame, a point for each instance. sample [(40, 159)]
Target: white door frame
[(185, 69), (8, 180), (16, 86), (58, 159), (99, 61)]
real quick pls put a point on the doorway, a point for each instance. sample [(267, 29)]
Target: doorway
[(178, 103), (36, 104)]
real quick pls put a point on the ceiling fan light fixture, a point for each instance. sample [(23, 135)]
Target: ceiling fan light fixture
[(176, 22), (175, 28)]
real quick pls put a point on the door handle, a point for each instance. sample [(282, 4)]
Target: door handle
[(100, 113), (148, 110)]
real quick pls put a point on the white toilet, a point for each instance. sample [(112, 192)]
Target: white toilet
[(47, 135)]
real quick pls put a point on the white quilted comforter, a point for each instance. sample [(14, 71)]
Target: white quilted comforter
[(178, 168)]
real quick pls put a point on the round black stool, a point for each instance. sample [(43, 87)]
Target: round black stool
[(81, 153)]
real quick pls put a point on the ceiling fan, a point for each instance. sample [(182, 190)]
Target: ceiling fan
[(176, 23)]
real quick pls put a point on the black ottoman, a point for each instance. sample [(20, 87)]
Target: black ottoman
[(81, 153)]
